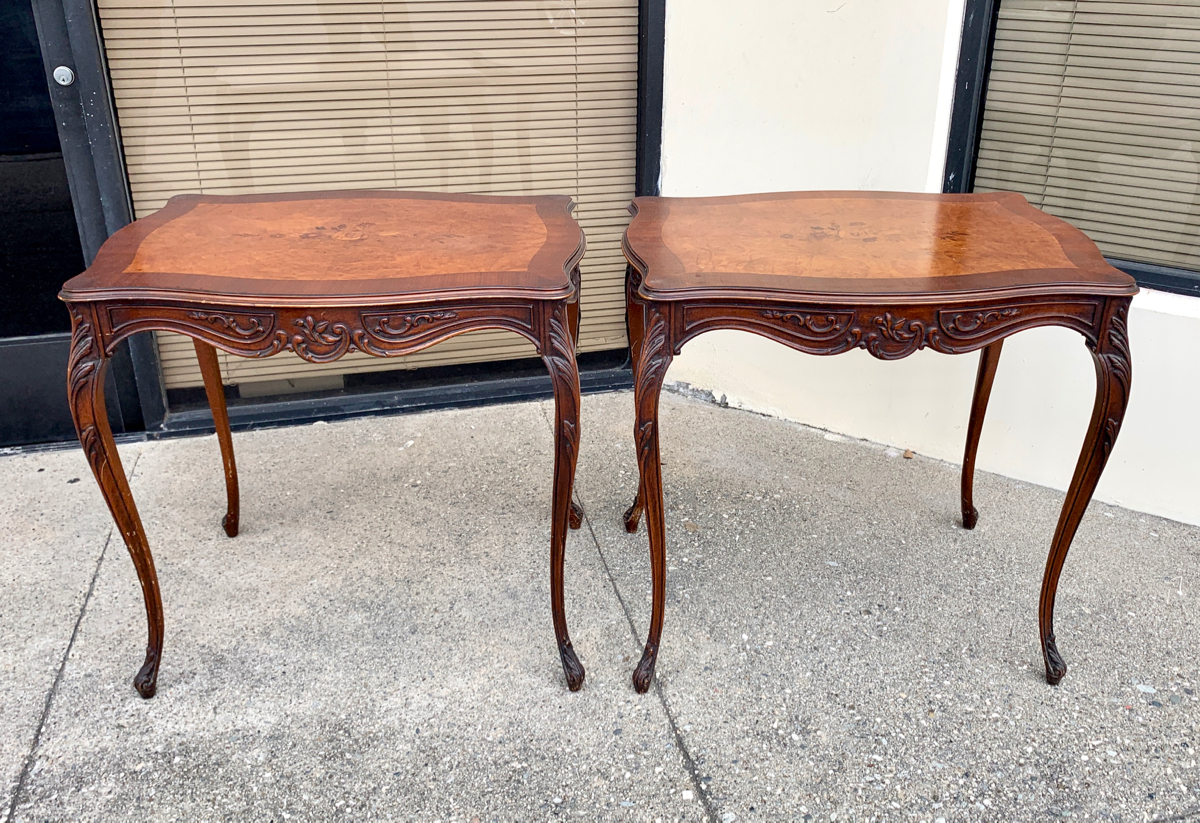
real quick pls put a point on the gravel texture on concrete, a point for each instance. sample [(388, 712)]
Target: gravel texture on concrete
[(54, 529), (376, 643)]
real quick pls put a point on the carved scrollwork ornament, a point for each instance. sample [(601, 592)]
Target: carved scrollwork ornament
[(1118, 362), (570, 438), (561, 346), (399, 327), (381, 334), (320, 341), (887, 336), (559, 356), (972, 321), (243, 327), (820, 324), (84, 358), (892, 337), (83, 368), (652, 368)]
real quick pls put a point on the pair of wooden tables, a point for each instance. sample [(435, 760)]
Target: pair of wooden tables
[(387, 273)]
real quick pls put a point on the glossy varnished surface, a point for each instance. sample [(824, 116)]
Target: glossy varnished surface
[(880, 245), (339, 245)]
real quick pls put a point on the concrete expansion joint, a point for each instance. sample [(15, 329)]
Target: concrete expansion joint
[(35, 744), (30, 758), (688, 762)]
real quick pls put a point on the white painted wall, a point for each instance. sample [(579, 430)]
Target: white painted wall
[(776, 95)]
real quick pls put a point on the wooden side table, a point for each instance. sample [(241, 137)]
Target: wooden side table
[(826, 272), (322, 274)]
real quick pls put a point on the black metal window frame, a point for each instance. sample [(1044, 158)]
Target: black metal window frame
[(966, 121), (652, 15), (69, 32), (71, 35)]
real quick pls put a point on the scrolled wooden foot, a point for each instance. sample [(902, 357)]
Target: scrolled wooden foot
[(575, 517), (572, 668), (146, 680), (633, 515), (644, 672), (230, 523), (970, 517), (1056, 669)]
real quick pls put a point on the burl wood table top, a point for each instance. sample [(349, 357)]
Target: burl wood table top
[(862, 247), (339, 248)]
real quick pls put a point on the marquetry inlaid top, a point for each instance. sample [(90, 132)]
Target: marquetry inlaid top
[(338, 244), (861, 243)]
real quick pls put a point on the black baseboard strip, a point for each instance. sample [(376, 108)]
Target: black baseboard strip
[(244, 417)]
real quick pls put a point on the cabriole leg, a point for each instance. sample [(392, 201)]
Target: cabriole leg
[(650, 369), (989, 359), (558, 352), (1113, 379), (210, 368), (85, 388)]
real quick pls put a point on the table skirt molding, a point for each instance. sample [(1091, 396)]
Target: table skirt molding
[(889, 333), (659, 329), (320, 335)]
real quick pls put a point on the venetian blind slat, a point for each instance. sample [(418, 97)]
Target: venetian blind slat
[(1092, 115), (485, 96)]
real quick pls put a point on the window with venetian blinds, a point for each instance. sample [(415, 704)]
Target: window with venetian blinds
[(484, 96), (1093, 113)]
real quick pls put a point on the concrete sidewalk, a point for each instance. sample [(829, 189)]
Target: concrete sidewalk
[(377, 643)]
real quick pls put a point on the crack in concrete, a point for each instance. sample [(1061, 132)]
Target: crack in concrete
[(688, 762), (27, 768)]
